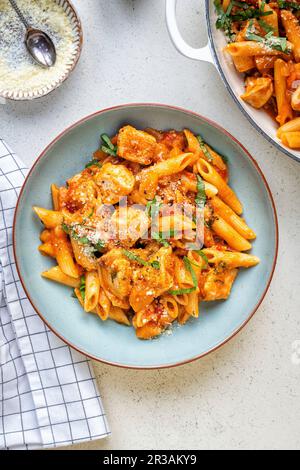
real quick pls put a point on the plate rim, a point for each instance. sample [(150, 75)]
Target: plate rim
[(219, 128)]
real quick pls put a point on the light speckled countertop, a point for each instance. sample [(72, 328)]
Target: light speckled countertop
[(246, 395)]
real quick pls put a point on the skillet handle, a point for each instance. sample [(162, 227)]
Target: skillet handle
[(203, 54)]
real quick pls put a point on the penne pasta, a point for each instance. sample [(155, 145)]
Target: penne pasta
[(190, 184), (269, 20), (170, 305), (291, 126), (230, 259), (57, 275), (230, 235), (192, 307), (209, 174), (292, 28), (126, 232), (236, 222), (172, 166), (285, 112), (148, 331), (63, 254), (104, 305), (119, 316), (252, 49), (47, 249), (50, 219), (55, 197), (92, 287), (291, 139)]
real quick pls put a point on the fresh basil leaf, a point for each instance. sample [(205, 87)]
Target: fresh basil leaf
[(137, 259), (189, 290), (155, 264), (189, 267), (109, 151), (100, 245), (200, 199), (94, 162), (270, 41), (65, 228), (156, 236), (205, 149), (268, 28), (83, 240), (153, 207), (182, 291), (107, 142), (288, 5), (204, 257), (82, 287)]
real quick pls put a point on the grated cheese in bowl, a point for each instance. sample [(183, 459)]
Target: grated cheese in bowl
[(20, 77)]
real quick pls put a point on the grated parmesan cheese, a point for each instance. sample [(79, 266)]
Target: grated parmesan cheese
[(17, 69)]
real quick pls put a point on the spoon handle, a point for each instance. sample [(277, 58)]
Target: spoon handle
[(19, 13)]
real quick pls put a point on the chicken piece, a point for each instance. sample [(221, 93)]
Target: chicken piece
[(130, 224), (258, 91), (116, 273), (79, 199), (149, 283), (218, 284), (136, 146), (114, 181)]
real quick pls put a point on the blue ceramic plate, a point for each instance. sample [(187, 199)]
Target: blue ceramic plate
[(108, 341)]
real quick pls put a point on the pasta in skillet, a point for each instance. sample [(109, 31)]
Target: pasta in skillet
[(264, 44), (147, 230)]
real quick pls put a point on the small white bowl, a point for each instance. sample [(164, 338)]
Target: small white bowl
[(53, 81)]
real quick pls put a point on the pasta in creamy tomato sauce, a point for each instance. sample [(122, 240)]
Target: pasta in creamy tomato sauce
[(147, 230), (264, 44)]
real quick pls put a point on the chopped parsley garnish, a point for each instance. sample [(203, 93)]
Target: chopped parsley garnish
[(189, 267), (205, 149), (201, 195), (270, 41), (94, 162), (82, 287), (108, 147), (137, 259)]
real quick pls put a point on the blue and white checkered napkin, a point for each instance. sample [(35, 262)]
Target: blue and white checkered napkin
[(48, 393)]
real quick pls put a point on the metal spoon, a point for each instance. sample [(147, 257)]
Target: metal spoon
[(39, 45)]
